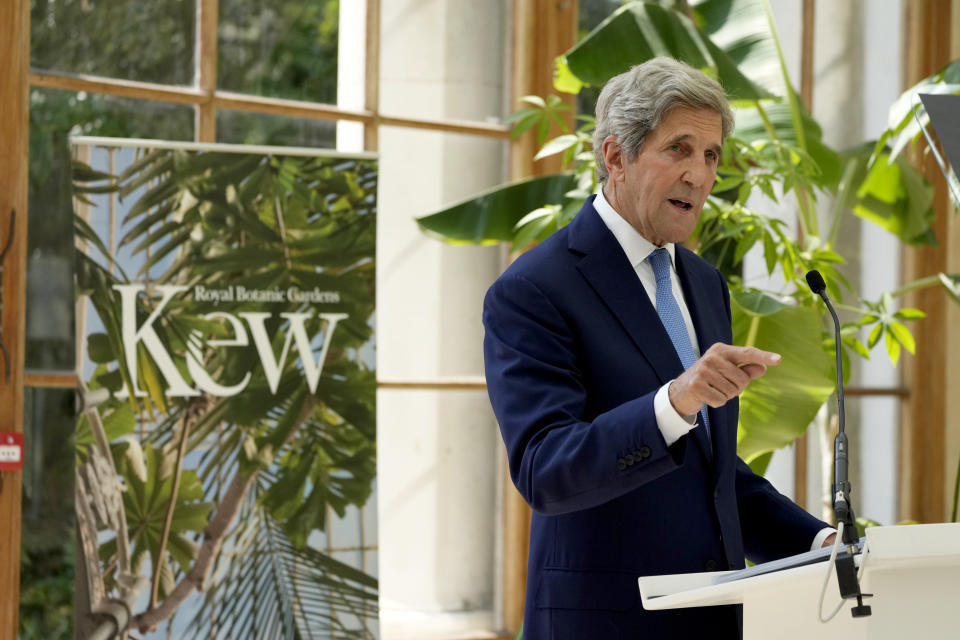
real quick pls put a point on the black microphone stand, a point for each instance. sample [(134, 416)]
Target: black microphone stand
[(846, 568)]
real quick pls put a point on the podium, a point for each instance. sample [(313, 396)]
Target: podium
[(912, 571)]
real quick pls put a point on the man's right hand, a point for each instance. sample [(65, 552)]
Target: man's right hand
[(722, 373)]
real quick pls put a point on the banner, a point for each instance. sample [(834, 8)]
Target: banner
[(226, 445)]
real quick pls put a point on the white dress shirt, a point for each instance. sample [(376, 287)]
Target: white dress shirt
[(672, 425)]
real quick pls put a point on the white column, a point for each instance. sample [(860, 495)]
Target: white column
[(437, 449)]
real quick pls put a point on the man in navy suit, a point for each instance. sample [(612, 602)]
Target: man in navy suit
[(611, 373)]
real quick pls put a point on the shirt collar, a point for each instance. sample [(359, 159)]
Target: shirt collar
[(634, 245)]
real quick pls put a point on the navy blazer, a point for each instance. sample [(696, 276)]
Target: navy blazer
[(574, 354)]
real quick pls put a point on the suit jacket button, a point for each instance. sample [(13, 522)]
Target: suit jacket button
[(644, 452), (711, 565), (621, 464), (630, 458)]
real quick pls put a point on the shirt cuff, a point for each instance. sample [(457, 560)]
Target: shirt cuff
[(822, 535), (672, 425)]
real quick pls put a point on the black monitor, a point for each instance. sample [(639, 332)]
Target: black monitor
[(944, 113)]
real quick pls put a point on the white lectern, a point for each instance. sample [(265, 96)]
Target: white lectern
[(912, 571)]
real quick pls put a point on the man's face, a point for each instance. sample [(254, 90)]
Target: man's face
[(661, 192)]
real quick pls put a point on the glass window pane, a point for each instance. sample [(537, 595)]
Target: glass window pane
[(279, 49), (128, 39), (352, 558), (370, 563), (345, 532), (241, 127), (54, 116), (93, 114), (47, 526), (370, 528)]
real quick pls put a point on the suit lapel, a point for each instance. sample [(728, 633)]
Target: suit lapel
[(698, 298), (610, 274)]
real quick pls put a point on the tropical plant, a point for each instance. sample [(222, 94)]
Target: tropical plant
[(228, 491), (778, 151)]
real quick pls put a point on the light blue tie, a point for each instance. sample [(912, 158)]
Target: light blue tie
[(672, 319)]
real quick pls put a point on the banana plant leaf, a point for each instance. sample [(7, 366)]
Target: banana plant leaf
[(642, 30), (741, 29), (891, 194), (951, 282), (491, 216), (777, 408)]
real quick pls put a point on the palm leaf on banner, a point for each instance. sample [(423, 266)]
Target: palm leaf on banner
[(267, 587)]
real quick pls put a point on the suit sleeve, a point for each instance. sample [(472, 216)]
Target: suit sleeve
[(559, 460), (772, 525)]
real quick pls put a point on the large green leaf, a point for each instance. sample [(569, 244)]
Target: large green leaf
[(777, 408), (741, 29), (491, 216), (893, 195), (642, 30), (145, 502)]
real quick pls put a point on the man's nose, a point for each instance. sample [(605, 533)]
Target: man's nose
[(696, 174)]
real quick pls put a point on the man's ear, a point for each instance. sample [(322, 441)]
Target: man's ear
[(612, 157)]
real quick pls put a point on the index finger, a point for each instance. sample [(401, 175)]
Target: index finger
[(750, 355)]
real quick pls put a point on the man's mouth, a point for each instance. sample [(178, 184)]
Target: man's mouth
[(681, 203)]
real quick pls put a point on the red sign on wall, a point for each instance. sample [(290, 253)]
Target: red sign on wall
[(11, 451)]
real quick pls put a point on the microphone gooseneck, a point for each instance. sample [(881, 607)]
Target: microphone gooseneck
[(846, 571)]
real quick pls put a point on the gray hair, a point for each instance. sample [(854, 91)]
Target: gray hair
[(633, 104)]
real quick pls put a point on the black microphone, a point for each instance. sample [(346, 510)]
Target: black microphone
[(846, 570), (817, 285)]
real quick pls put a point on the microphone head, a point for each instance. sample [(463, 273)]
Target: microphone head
[(815, 282)]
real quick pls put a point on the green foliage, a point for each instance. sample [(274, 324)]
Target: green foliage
[(778, 151), (893, 195), (777, 407), (865, 523), (904, 127), (642, 30), (46, 593), (149, 482), (493, 217), (284, 50)]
